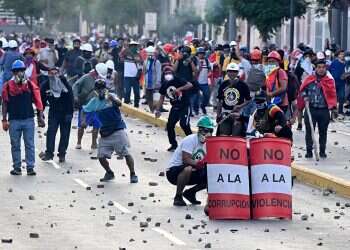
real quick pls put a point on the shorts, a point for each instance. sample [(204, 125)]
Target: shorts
[(117, 142), (197, 176), (91, 120)]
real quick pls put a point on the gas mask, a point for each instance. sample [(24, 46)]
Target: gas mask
[(168, 77), (20, 78), (203, 133)]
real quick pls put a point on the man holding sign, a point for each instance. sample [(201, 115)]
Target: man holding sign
[(187, 166)]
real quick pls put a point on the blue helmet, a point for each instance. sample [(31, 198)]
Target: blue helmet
[(113, 43), (18, 65)]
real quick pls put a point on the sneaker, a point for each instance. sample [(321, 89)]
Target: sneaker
[(309, 154), (31, 172), (16, 171), (179, 201), (191, 197), (300, 127), (46, 157), (78, 146), (172, 148), (134, 179), (93, 154), (108, 176), (61, 159), (323, 155)]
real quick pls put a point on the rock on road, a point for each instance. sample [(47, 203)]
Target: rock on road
[(65, 207)]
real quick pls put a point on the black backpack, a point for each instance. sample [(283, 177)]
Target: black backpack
[(86, 65), (256, 79)]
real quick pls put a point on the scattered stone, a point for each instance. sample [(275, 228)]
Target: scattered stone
[(88, 188), (233, 230), (10, 190), (92, 208), (196, 227), (143, 224), (347, 204), (342, 213), (304, 217), (131, 240), (140, 132), (337, 217), (112, 217), (189, 231), (300, 155), (31, 197), (152, 195), (208, 245), (73, 192), (337, 204), (122, 248), (8, 241), (143, 198), (152, 183), (144, 241), (182, 225), (266, 230), (326, 192), (100, 186), (333, 131), (308, 228), (319, 244), (326, 210), (109, 224), (149, 219), (168, 221), (153, 160), (188, 217), (216, 231), (110, 203), (134, 217), (34, 235), (200, 240), (161, 174), (312, 215), (336, 143), (130, 204), (157, 224)]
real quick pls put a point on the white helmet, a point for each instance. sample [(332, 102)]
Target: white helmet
[(86, 47), (133, 43), (328, 52), (5, 43), (101, 69), (110, 64), (320, 55), (233, 43), (13, 44), (150, 50), (232, 67)]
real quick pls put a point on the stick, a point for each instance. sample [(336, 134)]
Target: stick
[(307, 108)]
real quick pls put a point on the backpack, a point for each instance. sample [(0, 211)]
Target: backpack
[(256, 79), (292, 87), (86, 66)]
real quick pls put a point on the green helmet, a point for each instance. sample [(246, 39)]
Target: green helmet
[(205, 122)]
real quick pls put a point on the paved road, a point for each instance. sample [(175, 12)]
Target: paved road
[(67, 216)]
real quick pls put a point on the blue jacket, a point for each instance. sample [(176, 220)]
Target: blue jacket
[(337, 69)]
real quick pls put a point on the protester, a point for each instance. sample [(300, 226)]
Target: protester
[(58, 94), (48, 56), (178, 91), (18, 116), (7, 60), (112, 77), (233, 95), (102, 54), (84, 91), (70, 58), (85, 62), (337, 69), (153, 73), (187, 165), (113, 130), (32, 67), (319, 92)]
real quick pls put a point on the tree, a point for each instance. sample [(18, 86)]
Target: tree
[(267, 15), (216, 12)]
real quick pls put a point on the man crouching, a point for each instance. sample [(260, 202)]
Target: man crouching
[(187, 165)]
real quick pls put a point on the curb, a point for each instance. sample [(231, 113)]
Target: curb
[(305, 175)]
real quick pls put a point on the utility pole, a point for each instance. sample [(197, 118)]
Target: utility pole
[(232, 29), (291, 42)]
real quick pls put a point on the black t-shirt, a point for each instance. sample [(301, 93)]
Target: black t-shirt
[(233, 94), (184, 70), (168, 89)]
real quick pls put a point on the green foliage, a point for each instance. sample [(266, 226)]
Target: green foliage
[(267, 15), (216, 12)]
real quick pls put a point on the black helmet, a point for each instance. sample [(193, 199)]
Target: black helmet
[(100, 84), (260, 97)]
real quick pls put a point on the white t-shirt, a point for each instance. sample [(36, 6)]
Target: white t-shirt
[(130, 69), (190, 144)]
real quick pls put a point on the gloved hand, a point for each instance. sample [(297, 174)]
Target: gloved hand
[(41, 120), (5, 125), (201, 164)]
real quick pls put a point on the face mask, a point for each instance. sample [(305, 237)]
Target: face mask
[(20, 78), (269, 68), (308, 59), (133, 50), (168, 77), (203, 133), (201, 138)]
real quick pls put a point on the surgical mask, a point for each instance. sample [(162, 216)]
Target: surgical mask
[(168, 77), (269, 68)]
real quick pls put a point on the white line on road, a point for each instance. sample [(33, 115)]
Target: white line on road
[(121, 208), (81, 183), (54, 164), (169, 236)]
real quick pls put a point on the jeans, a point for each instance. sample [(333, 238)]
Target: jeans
[(132, 82), (321, 117), (340, 88), (203, 99), (17, 128), (64, 123), (175, 115)]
